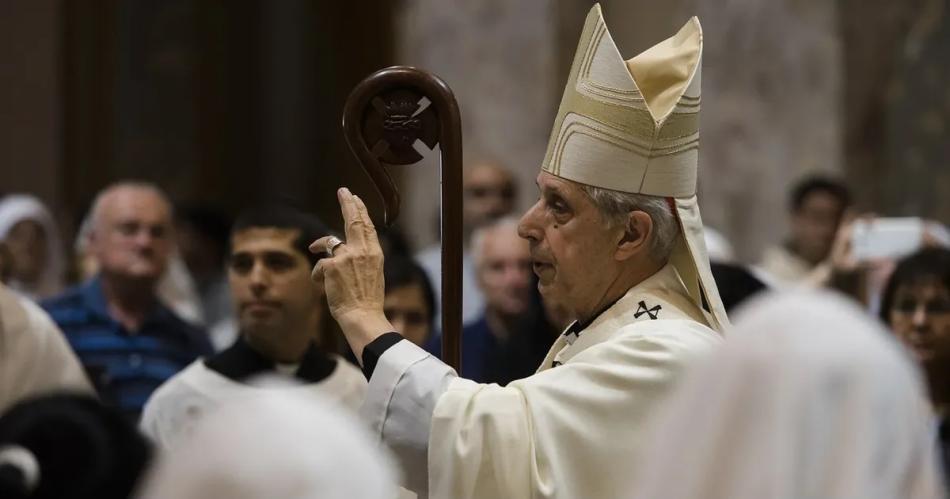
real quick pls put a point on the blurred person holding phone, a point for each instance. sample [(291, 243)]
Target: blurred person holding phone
[(867, 249), (816, 209)]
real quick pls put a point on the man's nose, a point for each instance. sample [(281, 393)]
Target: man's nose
[(529, 226), (144, 238), (919, 319), (259, 275)]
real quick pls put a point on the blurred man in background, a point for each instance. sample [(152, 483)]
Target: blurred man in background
[(816, 209), (201, 234), (410, 302), (282, 324), (489, 194), (128, 341), (503, 271)]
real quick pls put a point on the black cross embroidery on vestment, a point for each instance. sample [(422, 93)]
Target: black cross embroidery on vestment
[(643, 309)]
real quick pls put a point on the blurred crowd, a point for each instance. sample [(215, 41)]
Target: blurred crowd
[(192, 355)]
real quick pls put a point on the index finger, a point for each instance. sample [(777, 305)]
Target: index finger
[(352, 221)]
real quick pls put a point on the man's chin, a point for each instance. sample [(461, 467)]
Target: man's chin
[(143, 272), (259, 327)]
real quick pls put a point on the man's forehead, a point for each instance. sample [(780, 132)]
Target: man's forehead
[(552, 183), (487, 173), (261, 237), (504, 241), (135, 202), (928, 285)]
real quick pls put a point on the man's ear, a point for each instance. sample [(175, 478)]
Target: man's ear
[(636, 236)]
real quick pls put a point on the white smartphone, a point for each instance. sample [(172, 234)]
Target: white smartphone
[(890, 238)]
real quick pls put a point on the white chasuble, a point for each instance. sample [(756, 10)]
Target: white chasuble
[(573, 429)]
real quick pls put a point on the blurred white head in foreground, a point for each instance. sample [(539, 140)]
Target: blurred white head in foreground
[(808, 398), (275, 445)]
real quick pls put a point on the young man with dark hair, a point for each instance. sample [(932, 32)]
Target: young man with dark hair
[(282, 319), (816, 207)]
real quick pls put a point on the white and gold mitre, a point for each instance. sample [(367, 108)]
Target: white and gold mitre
[(633, 126), (630, 126)]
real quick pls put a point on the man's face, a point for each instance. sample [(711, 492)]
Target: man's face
[(489, 195), (814, 225), (407, 310), (132, 234), (504, 271), (270, 283), (568, 239)]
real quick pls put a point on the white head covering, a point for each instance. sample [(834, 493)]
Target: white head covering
[(275, 445), (809, 398), (16, 208), (633, 126)]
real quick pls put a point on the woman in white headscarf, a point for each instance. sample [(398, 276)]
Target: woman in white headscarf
[(32, 238), (275, 445), (809, 398)]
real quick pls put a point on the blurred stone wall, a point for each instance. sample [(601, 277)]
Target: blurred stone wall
[(771, 82), (500, 59), (917, 129)]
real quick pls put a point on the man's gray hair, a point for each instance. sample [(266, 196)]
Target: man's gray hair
[(615, 206), (95, 212), (478, 237)]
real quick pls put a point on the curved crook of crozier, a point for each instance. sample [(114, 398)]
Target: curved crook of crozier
[(383, 119), (387, 113)]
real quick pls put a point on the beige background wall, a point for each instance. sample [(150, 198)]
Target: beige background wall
[(771, 80)]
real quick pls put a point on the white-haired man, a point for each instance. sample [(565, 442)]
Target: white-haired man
[(496, 346), (616, 237), (127, 340)]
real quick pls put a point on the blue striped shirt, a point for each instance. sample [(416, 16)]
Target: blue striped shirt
[(125, 367)]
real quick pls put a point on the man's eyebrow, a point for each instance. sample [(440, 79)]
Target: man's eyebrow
[(555, 190), (274, 252)]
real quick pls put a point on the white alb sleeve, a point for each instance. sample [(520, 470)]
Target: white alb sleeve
[(401, 397)]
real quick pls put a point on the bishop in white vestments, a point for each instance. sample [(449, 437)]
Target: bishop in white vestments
[(616, 237)]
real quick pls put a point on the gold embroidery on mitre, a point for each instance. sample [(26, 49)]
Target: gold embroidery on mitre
[(606, 133)]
